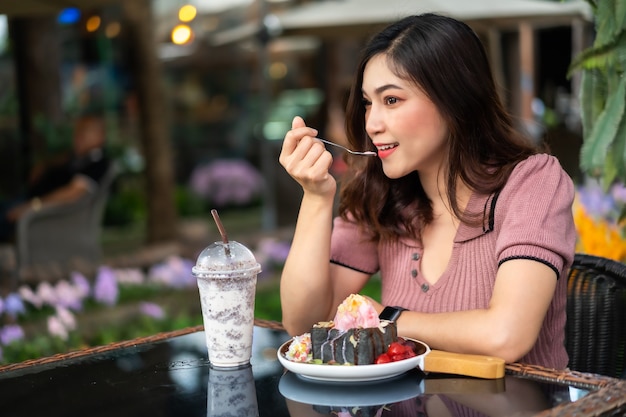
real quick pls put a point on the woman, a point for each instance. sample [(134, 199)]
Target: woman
[(468, 223)]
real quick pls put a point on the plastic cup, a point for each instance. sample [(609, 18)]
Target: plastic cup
[(226, 274), (231, 392)]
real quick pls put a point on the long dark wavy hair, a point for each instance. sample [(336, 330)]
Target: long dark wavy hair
[(446, 59)]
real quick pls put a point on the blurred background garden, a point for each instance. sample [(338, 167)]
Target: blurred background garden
[(196, 97)]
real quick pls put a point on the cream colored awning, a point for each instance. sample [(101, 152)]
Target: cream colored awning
[(345, 18), (325, 17)]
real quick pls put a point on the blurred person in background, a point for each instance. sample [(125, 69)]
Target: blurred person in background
[(62, 180)]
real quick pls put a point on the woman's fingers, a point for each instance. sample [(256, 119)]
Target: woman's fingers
[(297, 122), (298, 131), (297, 142), (311, 160), (305, 158)]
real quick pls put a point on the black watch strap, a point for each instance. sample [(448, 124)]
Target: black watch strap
[(391, 313)]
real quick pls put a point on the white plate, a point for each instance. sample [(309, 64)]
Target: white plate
[(352, 373), (364, 394)]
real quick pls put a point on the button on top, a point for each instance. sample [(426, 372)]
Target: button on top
[(425, 287), (415, 256)]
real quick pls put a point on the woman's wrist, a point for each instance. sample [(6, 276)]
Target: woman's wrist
[(321, 199), (391, 313)]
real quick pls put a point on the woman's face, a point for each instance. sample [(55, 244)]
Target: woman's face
[(404, 125)]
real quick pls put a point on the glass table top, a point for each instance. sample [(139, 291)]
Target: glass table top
[(172, 377)]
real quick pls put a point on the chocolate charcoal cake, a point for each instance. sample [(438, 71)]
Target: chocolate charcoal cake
[(357, 346)]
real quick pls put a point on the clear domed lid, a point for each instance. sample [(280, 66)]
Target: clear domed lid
[(226, 258)]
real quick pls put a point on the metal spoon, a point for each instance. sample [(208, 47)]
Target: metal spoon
[(365, 153)]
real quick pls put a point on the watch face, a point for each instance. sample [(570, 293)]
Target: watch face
[(390, 313)]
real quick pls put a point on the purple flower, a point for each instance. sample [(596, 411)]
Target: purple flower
[(105, 289), (152, 310), (11, 333), (175, 273), (56, 328), (181, 269), (595, 200), (1, 305), (160, 274), (226, 182), (130, 276), (66, 318), (69, 296), (46, 293), (618, 192), (81, 284), (275, 250), (13, 305), (29, 296)]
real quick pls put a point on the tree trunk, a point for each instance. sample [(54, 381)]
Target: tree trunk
[(155, 138), (36, 49)]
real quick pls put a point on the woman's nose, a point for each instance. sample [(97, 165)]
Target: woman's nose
[(373, 121)]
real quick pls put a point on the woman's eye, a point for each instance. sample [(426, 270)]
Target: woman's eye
[(365, 102), (391, 100)]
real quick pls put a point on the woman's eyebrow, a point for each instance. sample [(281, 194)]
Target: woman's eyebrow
[(383, 88)]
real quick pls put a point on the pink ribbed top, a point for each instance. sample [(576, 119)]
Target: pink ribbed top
[(532, 219)]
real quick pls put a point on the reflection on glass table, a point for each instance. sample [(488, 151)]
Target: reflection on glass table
[(415, 394), (169, 375)]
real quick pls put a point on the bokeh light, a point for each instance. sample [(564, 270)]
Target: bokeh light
[(93, 23), (181, 34), (113, 29), (68, 16), (187, 13), (277, 70)]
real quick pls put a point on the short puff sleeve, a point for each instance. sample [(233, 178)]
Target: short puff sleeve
[(352, 247), (534, 215)]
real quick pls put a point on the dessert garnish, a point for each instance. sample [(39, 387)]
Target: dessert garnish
[(300, 349)]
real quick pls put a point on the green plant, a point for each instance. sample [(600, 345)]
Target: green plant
[(189, 204), (127, 204), (58, 136), (603, 94)]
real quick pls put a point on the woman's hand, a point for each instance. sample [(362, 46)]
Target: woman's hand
[(307, 160)]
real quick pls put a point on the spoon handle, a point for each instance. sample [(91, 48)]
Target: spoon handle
[(369, 153)]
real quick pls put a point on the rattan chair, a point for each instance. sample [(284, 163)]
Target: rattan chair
[(595, 335), (63, 232)]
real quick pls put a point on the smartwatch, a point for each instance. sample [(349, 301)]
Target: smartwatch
[(391, 313)]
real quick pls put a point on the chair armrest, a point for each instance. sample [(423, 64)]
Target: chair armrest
[(53, 210), (596, 315)]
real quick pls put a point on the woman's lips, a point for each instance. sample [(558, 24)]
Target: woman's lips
[(386, 150)]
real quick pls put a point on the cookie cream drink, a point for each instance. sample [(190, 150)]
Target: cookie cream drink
[(226, 273)]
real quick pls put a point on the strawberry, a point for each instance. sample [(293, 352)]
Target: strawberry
[(383, 358)]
